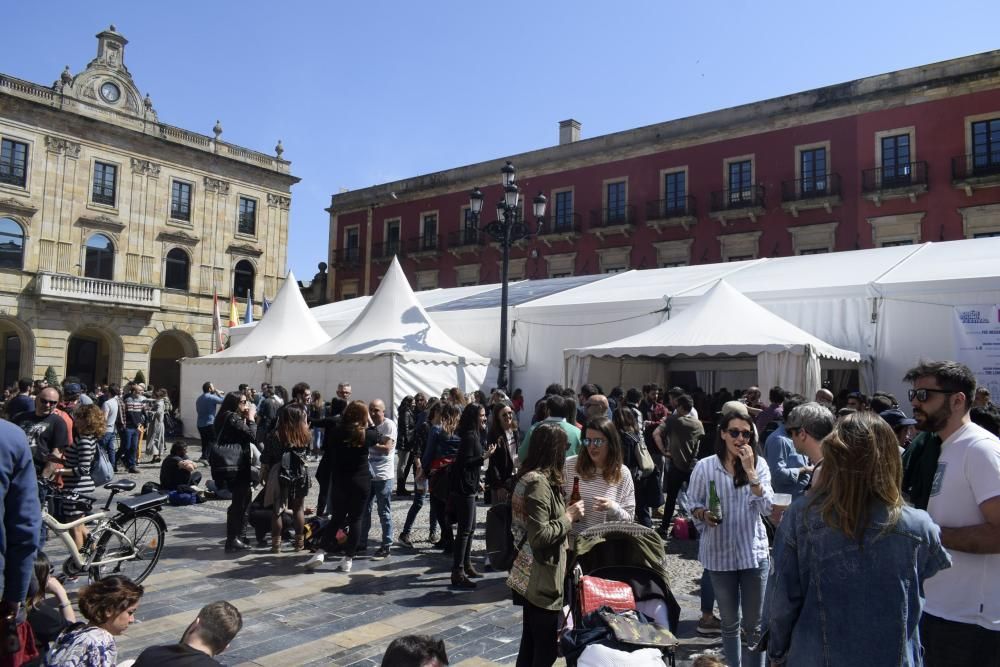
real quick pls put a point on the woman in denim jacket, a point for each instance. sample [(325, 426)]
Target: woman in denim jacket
[(734, 549), (850, 559)]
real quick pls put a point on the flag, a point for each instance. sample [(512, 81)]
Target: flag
[(265, 306), (216, 323), (248, 316), (234, 317)]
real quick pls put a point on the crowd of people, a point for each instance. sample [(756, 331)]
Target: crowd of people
[(807, 511)]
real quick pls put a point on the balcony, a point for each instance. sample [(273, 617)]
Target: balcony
[(77, 289), (385, 251), (979, 170), (738, 203), (810, 193), (562, 226), (467, 240), (903, 180), (347, 258), (422, 247), (608, 221), (676, 211)]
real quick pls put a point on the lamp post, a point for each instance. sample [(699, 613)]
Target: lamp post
[(507, 230)]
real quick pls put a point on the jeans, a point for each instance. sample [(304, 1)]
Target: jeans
[(676, 479), (736, 590), (109, 443), (207, 434), (317, 440), (439, 509), (130, 447), (952, 644), (236, 515), (381, 491), (348, 498), (707, 593), (465, 507), (404, 463), (419, 495), (539, 637)]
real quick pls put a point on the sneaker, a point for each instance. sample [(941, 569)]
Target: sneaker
[(404, 539), (383, 552), (712, 626), (317, 559), (345, 564), (133, 470), (433, 538)]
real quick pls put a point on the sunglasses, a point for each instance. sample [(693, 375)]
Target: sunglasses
[(923, 394), (44, 402), (735, 434), (596, 442)]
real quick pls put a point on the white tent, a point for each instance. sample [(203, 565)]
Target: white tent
[(286, 328), (390, 350), (724, 326)]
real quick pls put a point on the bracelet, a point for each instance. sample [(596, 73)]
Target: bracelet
[(755, 482), (64, 606)]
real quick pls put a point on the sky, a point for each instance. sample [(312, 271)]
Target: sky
[(362, 93)]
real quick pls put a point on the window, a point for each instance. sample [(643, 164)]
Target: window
[(99, 258), (741, 182), (893, 244), (812, 163), (674, 193), (176, 270), (985, 235), (105, 178), (352, 244), (11, 244), (671, 265), (248, 216), (739, 258), (616, 202), (470, 227), (13, 163), (243, 276), (896, 160), (428, 238), (391, 237), (180, 201), (986, 146), (562, 212), (814, 251)]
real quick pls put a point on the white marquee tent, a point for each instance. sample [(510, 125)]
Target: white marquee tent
[(723, 331), (286, 328), (390, 350)]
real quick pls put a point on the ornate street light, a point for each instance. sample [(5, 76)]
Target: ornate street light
[(507, 229)]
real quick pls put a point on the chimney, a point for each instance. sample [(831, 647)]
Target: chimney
[(569, 131)]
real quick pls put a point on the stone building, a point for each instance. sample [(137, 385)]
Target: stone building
[(116, 229), (898, 158)]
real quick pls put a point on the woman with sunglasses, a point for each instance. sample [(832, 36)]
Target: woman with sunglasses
[(230, 461), (606, 486), (733, 547), (501, 471)]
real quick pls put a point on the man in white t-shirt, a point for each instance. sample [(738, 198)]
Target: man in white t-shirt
[(382, 464), (961, 621)]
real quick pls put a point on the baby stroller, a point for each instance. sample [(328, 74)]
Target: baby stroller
[(630, 554)]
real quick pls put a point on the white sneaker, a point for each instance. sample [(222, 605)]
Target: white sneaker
[(317, 559), (345, 564)]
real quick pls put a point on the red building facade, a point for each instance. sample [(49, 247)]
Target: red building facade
[(898, 158)]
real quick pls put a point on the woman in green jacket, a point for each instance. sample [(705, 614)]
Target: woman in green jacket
[(540, 523)]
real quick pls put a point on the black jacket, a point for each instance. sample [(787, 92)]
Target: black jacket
[(500, 470), (468, 464)]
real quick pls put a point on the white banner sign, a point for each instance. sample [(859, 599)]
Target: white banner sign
[(977, 342)]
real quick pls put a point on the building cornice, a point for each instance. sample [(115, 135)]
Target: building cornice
[(894, 89)]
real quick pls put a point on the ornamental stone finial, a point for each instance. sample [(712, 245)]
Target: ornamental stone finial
[(279, 149), (217, 129)]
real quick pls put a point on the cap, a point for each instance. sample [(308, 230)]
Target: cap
[(735, 406), (897, 418), (72, 389)]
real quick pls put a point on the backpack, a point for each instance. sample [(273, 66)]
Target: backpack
[(315, 525), (101, 470), (499, 537), (294, 474), (181, 498)]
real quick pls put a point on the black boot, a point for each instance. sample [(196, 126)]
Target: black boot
[(235, 545), (459, 580), (470, 571)]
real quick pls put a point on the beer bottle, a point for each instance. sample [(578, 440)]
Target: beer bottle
[(575, 496), (714, 503)]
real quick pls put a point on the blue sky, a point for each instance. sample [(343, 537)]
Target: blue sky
[(367, 92)]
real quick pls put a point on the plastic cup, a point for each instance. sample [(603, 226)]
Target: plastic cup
[(782, 500)]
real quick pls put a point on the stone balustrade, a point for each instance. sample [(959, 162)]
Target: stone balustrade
[(61, 287)]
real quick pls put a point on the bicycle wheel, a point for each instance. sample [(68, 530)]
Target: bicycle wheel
[(140, 548)]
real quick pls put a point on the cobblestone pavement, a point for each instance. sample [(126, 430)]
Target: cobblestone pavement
[(329, 618)]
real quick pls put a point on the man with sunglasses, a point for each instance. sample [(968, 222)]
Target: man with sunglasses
[(46, 431), (961, 621)]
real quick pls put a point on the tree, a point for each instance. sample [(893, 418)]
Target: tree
[(51, 378), (140, 378)]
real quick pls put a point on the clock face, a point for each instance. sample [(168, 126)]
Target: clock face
[(110, 92)]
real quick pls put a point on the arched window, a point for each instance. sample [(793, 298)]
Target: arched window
[(99, 261), (243, 276), (176, 270), (11, 244)]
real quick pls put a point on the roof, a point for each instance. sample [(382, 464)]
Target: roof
[(722, 323)]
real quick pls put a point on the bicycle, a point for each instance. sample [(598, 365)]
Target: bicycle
[(128, 543)]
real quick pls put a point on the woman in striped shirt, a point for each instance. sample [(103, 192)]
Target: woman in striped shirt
[(606, 486), (88, 428), (733, 547)]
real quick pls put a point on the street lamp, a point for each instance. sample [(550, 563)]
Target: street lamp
[(507, 230)]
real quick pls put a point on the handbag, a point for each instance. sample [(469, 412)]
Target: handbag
[(644, 461), (225, 458), (596, 593), (101, 470)]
